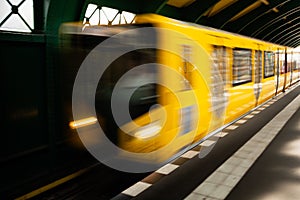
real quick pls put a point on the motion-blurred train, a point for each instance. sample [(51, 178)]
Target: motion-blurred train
[(189, 81)]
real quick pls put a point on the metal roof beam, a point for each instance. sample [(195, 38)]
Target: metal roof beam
[(135, 6), (226, 14), (275, 20), (284, 35), (194, 12), (153, 6), (293, 42), (170, 11), (270, 20), (282, 26), (253, 16), (288, 36), (296, 44)]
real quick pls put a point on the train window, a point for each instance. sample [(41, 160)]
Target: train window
[(269, 64), (281, 62), (144, 95), (242, 66), (219, 80), (295, 67), (289, 63), (258, 66), (16, 15), (296, 60), (187, 68), (220, 61)]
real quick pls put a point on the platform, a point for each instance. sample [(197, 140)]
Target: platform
[(258, 157), (276, 174)]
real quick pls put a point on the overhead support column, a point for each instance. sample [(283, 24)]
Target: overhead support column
[(39, 20)]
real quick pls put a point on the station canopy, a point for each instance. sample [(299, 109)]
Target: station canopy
[(276, 21)]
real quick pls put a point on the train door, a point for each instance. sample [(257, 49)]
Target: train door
[(257, 75), (187, 67), (277, 71), (291, 68), (285, 69), (219, 80), (281, 70)]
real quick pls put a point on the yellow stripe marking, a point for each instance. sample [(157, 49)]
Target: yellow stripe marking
[(54, 184)]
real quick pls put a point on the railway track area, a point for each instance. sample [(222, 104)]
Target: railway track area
[(101, 182)]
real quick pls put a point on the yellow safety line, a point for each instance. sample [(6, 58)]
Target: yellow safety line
[(54, 184)]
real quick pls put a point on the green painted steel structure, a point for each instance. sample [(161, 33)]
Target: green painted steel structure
[(33, 109)]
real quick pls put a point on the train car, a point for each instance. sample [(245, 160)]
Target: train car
[(180, 82)]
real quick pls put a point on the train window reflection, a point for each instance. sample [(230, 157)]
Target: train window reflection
[(242, 66), (219, 80), (258, 66), (269, 64), (119, 72)]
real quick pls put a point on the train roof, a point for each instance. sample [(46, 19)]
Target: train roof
[(155, 18), (104, 30)]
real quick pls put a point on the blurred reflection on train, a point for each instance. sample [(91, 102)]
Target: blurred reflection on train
[(198, 79)]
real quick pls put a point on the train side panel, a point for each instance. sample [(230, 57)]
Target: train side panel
[(227, 75)]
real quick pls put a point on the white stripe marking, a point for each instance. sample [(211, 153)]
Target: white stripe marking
[(264, 106), (241, 121), (220, 183), (190, 154), (167, 169), (136, 189), (232, 127), (222, 134), (207, 143), (248, 116)]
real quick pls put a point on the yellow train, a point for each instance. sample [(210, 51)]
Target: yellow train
[(192, 81)]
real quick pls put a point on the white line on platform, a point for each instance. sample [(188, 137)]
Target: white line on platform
[(190, 154), (136, 189), (207, 143), (255, 112), (167, 169), (220, 183), (222, 134), (248, 116), (241, 121), (231, 127)]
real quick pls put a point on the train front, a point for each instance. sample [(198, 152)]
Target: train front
[(131, 110)]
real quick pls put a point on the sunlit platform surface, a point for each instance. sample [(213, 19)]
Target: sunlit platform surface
[(266, 167), (276, 173)]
